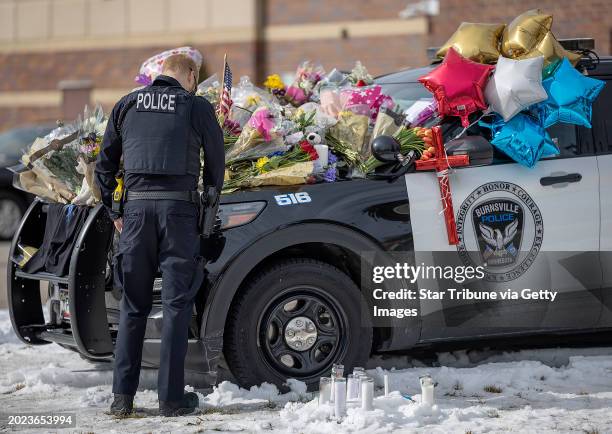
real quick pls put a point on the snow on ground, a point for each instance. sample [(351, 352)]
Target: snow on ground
[(549, 390)]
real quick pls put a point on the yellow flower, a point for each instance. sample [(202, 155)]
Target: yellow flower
[(253, 100), (297, 114), (274, 82), (261, 163), (96, 151)]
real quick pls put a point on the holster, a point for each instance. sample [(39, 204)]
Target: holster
[(211, 240)]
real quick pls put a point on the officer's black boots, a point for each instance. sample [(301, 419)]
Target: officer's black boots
[(179, 408), (122, 405)]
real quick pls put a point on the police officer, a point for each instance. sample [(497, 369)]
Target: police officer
[(159, 131)]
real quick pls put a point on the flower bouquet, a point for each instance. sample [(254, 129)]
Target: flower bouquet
[(274, 84), (210, 89), (91, 133), (359, 76), (352, 127), (250, 97), (262, 128), (306, 77), (289, 167), (371, 96), (60, 166)]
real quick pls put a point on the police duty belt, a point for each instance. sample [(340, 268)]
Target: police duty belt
[(187, 196)]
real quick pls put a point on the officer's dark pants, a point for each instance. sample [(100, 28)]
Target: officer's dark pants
[(156, 233)]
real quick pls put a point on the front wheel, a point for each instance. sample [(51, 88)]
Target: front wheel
[(295, 320)]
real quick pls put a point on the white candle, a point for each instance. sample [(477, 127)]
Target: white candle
[(336, 372), (325, 386), (386, 379), (352, 388), (339, 397), (367, 394), (427, 390), (323, 153)]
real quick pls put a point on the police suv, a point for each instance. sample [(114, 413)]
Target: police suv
[(286, 296)]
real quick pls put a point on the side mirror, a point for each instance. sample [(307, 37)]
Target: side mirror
[(386, 149), (477, 148)]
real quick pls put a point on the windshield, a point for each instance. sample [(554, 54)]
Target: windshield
[(405, 94)]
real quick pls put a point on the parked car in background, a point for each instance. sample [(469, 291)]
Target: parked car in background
[(13, 202)]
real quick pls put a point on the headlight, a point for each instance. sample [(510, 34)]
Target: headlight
[(238, 214)]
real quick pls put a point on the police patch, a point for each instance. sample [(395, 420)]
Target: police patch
[(498, 225), (503, 218), (156, 102)]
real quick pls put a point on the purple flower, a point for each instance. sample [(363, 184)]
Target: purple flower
[(331, 158), (330, 175), (275, 154), (143, 79)]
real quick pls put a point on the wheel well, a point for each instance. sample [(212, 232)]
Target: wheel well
[(344, 259)]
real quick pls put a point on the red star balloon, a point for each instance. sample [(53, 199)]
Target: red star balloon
[(458, 85)]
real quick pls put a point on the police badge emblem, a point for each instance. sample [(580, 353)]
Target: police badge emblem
[(508, 230), (498, 225)]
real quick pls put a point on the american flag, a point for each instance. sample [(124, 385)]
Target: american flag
[(225, 102)]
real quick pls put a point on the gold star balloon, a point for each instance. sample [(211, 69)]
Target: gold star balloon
[(475, 41), (525, 32), (551, 50)]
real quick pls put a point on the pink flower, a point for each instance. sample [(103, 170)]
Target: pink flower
[(295, 95), (261, 122)]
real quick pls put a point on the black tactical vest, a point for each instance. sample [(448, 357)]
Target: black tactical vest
[(157, 135)]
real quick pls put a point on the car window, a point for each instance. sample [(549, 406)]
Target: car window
[(566, 138), (602, 120)]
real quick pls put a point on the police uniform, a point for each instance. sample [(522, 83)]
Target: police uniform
[(159, 130)]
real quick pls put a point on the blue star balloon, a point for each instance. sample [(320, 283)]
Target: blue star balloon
[(522, 138), (570, 96)]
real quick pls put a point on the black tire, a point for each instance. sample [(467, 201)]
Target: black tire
[(12, 209), (256, 345)]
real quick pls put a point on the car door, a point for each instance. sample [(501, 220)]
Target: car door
[(546, 221), (602, 137)]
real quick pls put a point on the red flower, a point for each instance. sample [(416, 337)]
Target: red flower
[(361, 83), (309, 149)]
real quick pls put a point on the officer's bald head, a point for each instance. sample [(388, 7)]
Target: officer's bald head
[(183, 68)]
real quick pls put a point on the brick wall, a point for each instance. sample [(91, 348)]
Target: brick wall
[(571, 18), (14, 116), (379, 54), (116, 68), (313, 11)]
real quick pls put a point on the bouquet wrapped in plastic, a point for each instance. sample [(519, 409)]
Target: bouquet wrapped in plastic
[(60, 166), (262, 128), (250, 97), (210, 89), (387, 123), (352, 127), (306, 77), (371, 96)]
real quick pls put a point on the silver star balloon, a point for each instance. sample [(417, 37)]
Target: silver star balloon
[(515, 85)]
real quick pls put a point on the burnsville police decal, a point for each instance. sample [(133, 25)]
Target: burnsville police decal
[(506, 230)]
